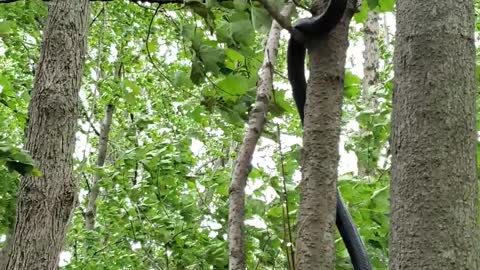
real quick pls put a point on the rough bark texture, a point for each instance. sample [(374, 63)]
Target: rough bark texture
[(434, 185), (45, 203), (316, 220), (370, 54), (236, 217), (370, 77)]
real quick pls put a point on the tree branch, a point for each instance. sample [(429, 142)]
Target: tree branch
[(281, 20)]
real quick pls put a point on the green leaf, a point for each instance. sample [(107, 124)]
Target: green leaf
[(211, 58), (181, 79), (136, 90), (236, 85), (6, 27), (386, 5), (197, 74), (352, 86), (372, 3), (197, 114), (362, 14), (240, 4), (242, 29)]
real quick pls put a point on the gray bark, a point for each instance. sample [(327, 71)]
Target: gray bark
[(316, 219), (236, 216), (94, 191), (45, 204), (370, 78), (91, 210), (370, 55), (434, 182)]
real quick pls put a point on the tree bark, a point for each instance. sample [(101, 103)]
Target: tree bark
[(316, 219), (370, 56), (236, 216), (370, 79), (91, 209), (434, 183), (45, 204)]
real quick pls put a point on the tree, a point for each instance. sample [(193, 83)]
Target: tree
[(316, 219), (45, 204), (371, 56), (237, 258), (434, 183)]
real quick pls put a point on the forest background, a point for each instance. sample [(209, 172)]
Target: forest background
[(166, 94)]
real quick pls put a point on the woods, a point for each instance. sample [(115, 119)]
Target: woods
[(165, 135)]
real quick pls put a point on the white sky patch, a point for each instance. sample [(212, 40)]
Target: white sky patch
[(82, 194), (256, 222), (135, 246), (171, 14), (270, 194), (253, 185), (65, 258), (212, 225), (212, 234), (197, 147), (113, 55), (30, 39), (81, 145), (169, 53)]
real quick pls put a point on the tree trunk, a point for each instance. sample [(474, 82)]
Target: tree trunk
[(433, 186), (316, 219), (91, 209), (45, 204), (236, 214), (370, 57), (365, 163)]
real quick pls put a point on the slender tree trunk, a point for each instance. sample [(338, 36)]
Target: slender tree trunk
[(236, 217), (91, 210), (316, 220), (371, 56), (45, 204), (370, 79), (434, 184)]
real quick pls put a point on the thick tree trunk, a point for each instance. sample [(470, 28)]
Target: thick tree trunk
[(316, 219), (434, 184), (45, 203)]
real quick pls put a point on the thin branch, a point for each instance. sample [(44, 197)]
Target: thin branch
[(242, 167), (149, 54), (281, 20), (89, 120), (96, 16), (286, 211)]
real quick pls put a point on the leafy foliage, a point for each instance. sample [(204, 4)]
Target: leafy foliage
[(187, 84), (17, 160)]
